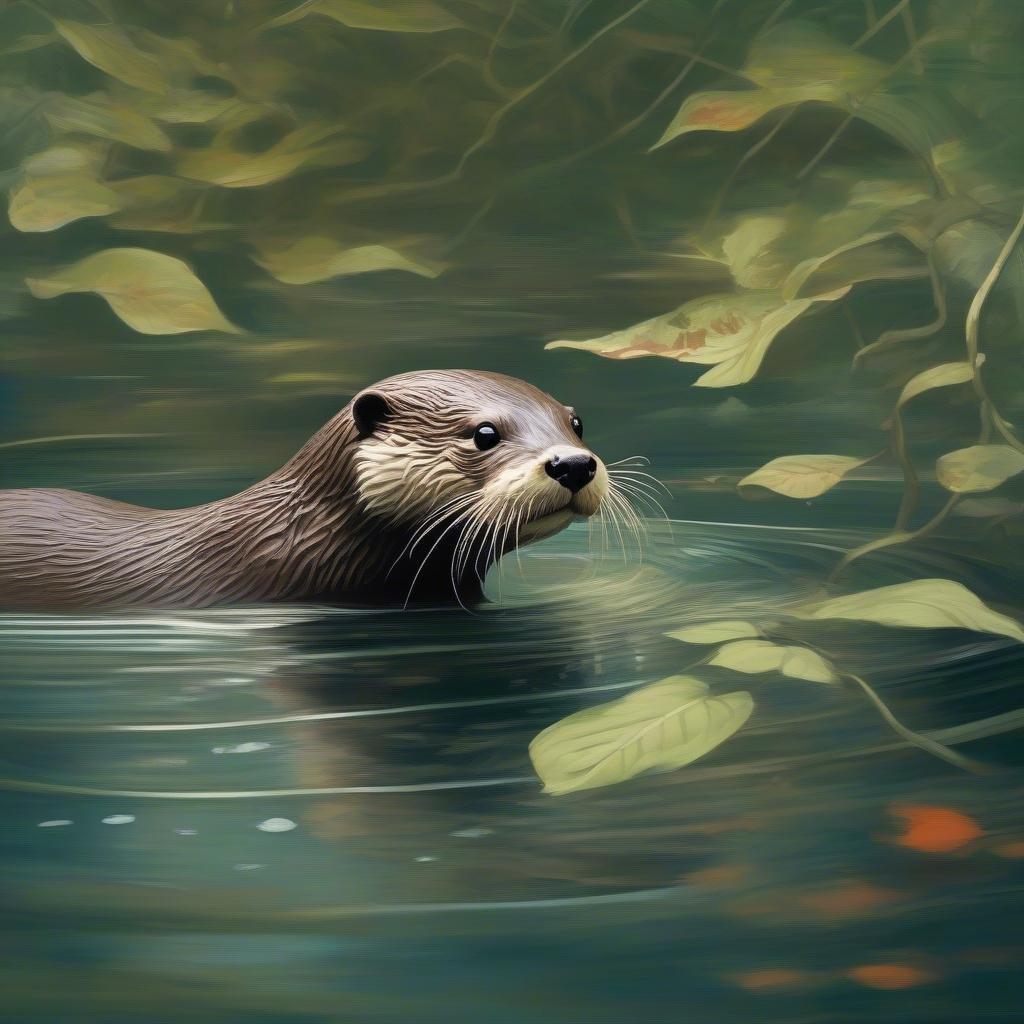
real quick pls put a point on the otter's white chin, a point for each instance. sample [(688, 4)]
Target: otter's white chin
[(546, 525)]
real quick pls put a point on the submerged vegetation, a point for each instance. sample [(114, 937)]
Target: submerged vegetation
[(874, 159)]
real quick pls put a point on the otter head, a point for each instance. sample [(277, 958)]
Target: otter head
[(474, 463)]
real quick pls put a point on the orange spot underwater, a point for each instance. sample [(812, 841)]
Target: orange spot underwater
[(934, 829), (889, 976)]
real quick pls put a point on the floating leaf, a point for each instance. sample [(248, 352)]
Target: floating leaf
[(96, 116), (732, 331), (802, 476), (110, 49), (715, 632), (924, 604), (317, 259), (753, 656), (663, 726), (984, 508), (151, 292), (50, 202), (381, 15), (221, 165), (978, 468), (941, 376), (734, 111)]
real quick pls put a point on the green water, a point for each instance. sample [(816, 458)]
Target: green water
[(409, 867)]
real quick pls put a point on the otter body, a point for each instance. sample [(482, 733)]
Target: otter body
[(409, 493)]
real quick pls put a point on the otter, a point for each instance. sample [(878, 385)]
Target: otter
[(409, 493)]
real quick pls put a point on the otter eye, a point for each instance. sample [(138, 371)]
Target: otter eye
[(486, 436), (577, 426)]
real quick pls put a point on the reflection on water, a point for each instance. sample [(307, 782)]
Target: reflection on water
[(311, 814)]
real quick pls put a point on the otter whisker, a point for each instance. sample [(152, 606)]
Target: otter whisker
[(638, 476)]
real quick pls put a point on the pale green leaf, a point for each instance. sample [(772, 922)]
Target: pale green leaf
[(925, 604), (318, 259), (108, 48), (221, 165), (97, 116), (978, 468), (941, 376), (754, 656), (734, 111), (715, 632), (50, 202), (801, 476), (985, 508), (663, 726), (732, 332), (151, 292), (379, 15)]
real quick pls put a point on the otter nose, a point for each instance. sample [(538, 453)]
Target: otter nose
[(572, 471)]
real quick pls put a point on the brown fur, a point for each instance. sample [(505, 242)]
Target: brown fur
[(335, 523)]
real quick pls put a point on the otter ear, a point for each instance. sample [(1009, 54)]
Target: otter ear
[(369, 411)]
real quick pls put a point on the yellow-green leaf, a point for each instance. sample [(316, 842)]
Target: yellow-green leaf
[(96, 116), (734, 111), (221, 165), (150, 291), (801, 476), (49, 202), (924, 604), (380, 15), (753, 656), (941, 376), (317, 259), (715, 632), (730, 331), (663, 726), (108, 48), (978, 468)]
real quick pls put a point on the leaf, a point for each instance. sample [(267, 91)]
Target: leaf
[(978, 468), (876, 256), (151, 292), (109, 49), (222, 165), (730, 331), (754, 656), (736, 110), (941, 376), (380, 15), (802, 476), (715, 632), (663, 726), (924, 604), (97, 116), (317, 259), (984, 508), (50, 202)]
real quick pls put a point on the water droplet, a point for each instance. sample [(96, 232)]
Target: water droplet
[(473, 833), (425, 860), (119, 819), (276, 825), (55, 823), (187, 831), (249, 867)]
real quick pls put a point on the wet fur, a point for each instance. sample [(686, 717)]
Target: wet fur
[(344, 520)]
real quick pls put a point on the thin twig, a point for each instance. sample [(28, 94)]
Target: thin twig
[(925, 743), (888, 339), (972, 328)]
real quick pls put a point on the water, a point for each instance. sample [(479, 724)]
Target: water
[(311, 814)]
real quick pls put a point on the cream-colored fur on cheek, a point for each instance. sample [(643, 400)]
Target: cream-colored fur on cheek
[(525, 488), (587, 501), (403, 479)]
